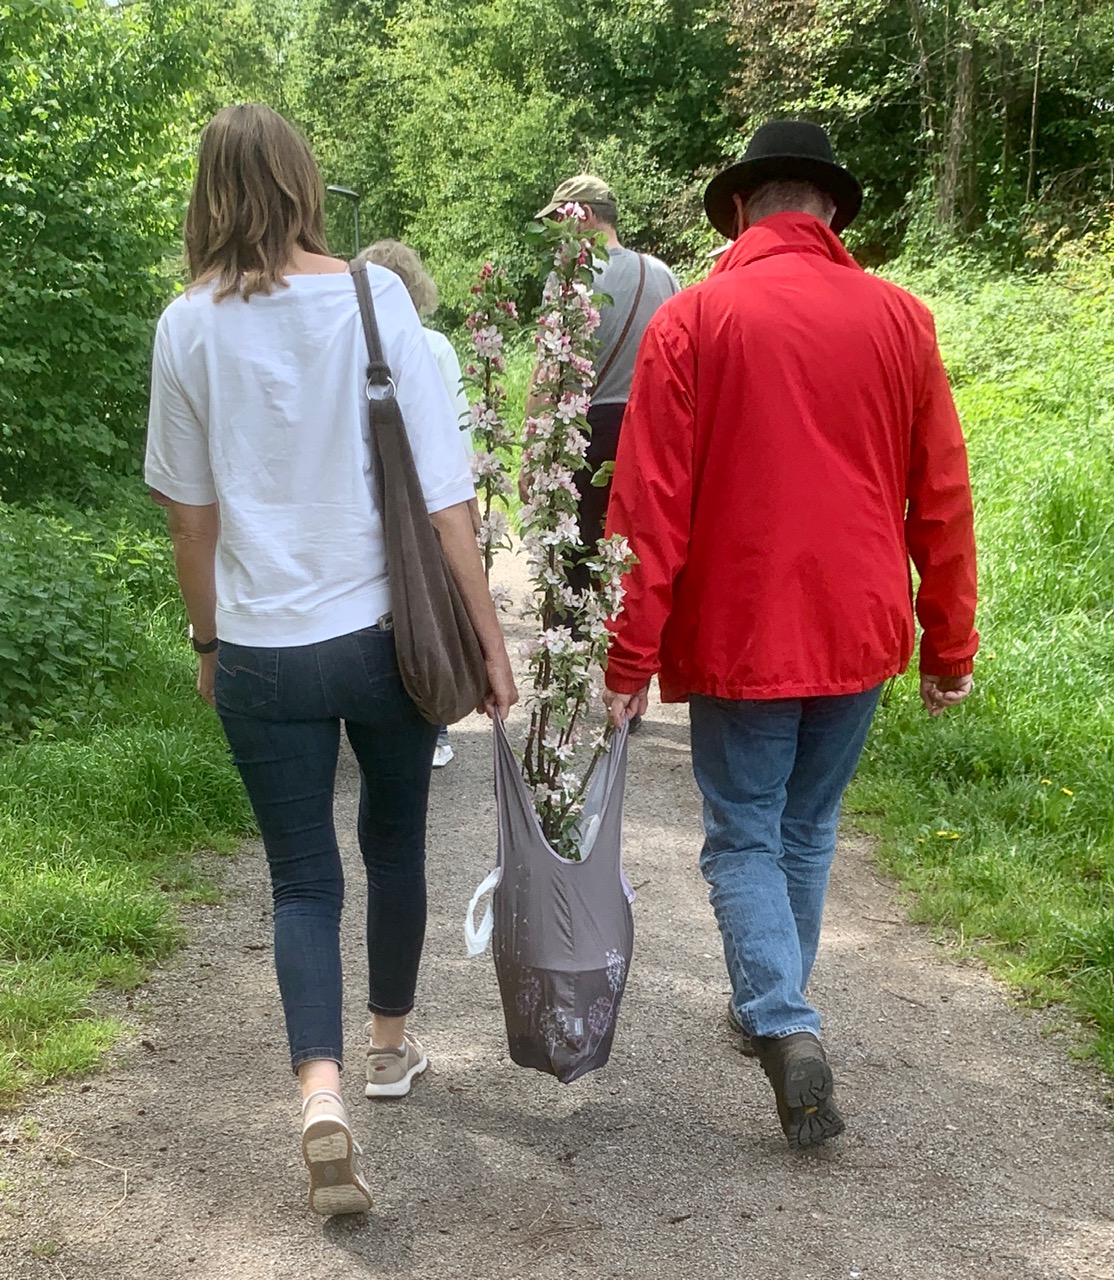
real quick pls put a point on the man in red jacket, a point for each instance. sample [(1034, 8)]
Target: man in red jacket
[(790, 443)]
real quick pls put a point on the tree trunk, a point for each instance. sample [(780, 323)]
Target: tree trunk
[(1031, 177), (924, 82), (954, 203)]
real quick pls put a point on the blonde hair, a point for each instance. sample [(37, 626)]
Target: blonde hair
[(256, 196), (407, 265)]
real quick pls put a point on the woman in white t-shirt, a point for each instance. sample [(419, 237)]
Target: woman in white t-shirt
[(407, 265), (257, 447)]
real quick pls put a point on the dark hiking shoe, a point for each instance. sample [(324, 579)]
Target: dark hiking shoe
[(797, 1069), (746, 1040)]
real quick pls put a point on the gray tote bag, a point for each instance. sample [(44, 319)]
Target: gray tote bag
[(562, 932)]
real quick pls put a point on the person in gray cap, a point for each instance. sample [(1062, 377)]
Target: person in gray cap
[(637, 285)]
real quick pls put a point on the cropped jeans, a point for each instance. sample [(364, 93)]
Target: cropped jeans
[(773, 774), (282, 710)]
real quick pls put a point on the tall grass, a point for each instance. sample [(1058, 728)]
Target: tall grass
[(1001, 814), (100, 808)]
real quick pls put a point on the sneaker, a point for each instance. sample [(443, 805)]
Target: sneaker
[(336, 1184), (797, 1068), (391, 1071), (442, 754), (746, 1040)]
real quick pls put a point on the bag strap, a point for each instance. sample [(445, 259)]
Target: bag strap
[(378, 370), (630, 320)]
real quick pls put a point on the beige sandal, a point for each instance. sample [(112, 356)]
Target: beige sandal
[(335, 1182)]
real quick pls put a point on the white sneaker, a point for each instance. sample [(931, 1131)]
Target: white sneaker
[(442, 754), (391, 1071), (336, 1184)]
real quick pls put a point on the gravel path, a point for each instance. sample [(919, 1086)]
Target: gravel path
[(974, 1149)]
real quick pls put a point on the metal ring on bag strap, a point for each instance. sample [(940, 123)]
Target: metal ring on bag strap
[(388, 388)]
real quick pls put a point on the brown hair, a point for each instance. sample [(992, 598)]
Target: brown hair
[(605, 212), (406, 263), (257, 195)]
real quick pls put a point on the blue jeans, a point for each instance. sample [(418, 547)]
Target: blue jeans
[(281, 710), (773, 774)]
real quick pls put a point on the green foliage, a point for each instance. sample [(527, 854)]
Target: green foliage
[(66, 628), (1002, 814), (101, 805), (91, 153), (481, 108), (985, 120)]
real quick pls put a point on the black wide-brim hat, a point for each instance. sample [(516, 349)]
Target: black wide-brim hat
[(786, 149)]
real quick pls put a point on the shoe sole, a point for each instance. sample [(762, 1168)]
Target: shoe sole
[(335, 1185), (811, 1116), (400, 1088)]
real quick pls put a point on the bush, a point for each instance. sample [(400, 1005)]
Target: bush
[(94, 175), (66, 628), (1002, 813)]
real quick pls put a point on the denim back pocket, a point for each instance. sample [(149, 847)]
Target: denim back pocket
[(247, 678)]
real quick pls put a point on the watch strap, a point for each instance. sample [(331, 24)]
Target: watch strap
[(210, 646)]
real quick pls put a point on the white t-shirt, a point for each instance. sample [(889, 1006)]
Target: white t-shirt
[(260, 407), (445, 354)]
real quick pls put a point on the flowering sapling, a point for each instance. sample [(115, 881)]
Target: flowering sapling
[(493, 320), (571, 637)]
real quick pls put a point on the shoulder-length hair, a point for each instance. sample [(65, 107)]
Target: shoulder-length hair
[(257, 195), (407, 265)]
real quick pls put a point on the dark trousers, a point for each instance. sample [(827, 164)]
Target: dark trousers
[(606, 421), (282, 710)]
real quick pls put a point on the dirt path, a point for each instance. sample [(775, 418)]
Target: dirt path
[(974, 1147)]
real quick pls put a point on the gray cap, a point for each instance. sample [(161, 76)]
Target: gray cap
[(583, 189)]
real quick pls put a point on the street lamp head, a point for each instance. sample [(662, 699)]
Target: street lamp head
[(354, 197)]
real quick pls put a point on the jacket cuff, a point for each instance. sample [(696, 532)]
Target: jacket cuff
[(619, 682), (934, 667)]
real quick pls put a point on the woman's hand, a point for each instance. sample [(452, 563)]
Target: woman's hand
[(502, 693), (206, 677)]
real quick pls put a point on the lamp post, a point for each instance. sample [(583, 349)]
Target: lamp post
[(349, 194)]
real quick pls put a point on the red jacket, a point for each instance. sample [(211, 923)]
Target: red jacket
[(790, 442)]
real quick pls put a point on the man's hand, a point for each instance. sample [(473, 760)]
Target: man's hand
[(622, 707), (938, 693), (206, 677), (502, 693)]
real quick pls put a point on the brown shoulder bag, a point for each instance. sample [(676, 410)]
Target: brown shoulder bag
[(439, 654)]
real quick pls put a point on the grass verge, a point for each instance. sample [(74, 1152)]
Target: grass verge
[(1001, 815), (102, 802)]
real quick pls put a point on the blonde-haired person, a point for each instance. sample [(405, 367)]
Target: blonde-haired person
[(256, 446), (407, 264)]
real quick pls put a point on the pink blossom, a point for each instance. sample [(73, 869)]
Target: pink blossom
[(488, 341)]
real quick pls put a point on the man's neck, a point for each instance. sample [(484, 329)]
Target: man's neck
[(612, 239)]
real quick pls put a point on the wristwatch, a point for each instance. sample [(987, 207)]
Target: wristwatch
[(209, 647)]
